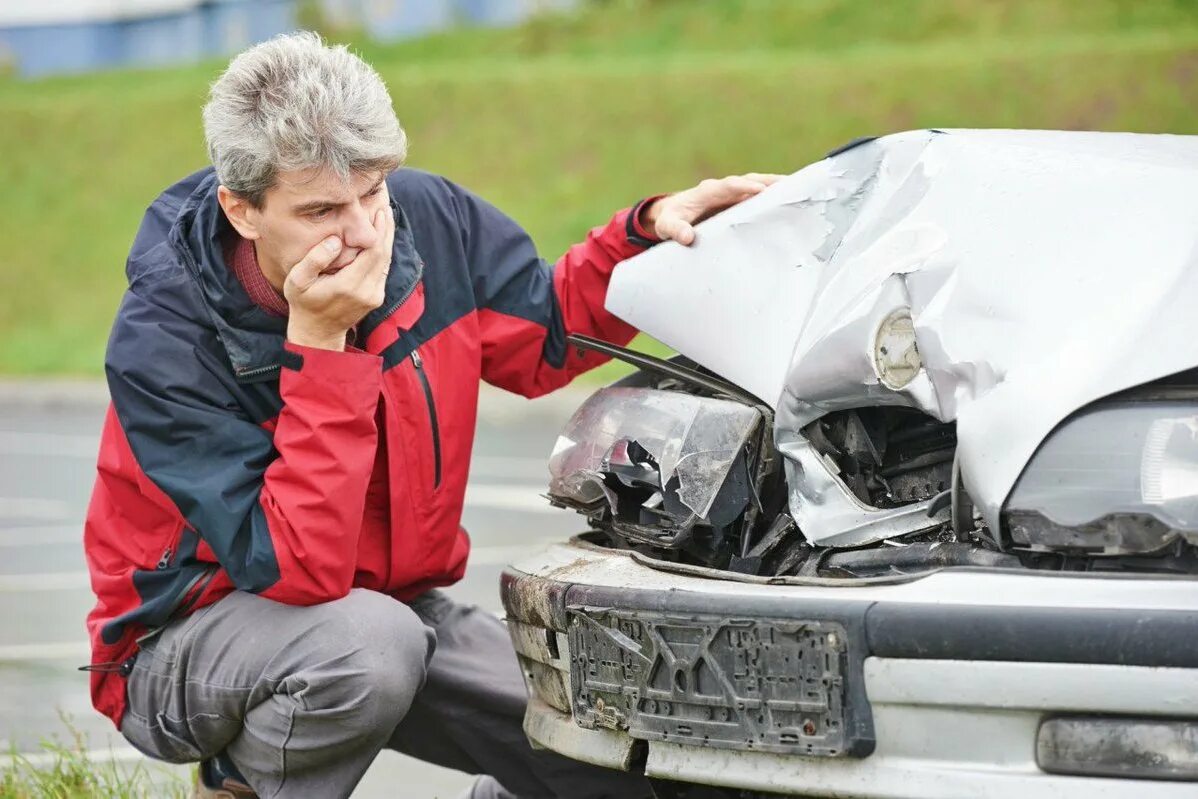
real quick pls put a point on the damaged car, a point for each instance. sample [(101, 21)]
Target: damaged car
[(914, 512)]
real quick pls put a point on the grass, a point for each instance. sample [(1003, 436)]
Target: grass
[(67, 771), (565, 119)]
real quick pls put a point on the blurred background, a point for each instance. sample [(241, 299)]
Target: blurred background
[(558, 111)]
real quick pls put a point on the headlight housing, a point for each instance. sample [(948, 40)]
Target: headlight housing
[(659, 462), (1115, 479)]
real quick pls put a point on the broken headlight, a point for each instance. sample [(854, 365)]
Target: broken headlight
[(653, 465), (1115, 479)]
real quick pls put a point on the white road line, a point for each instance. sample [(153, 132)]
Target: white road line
[(116, 754), (516, 497), (522, 497), (13, 442), (79, 651), (58, 650), (502, 466), (77, 580), (503, 555), (42, 535), (46, 581), (34, 508), (76, 651), (66, 445)]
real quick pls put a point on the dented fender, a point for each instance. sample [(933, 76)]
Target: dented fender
[(998, 279)]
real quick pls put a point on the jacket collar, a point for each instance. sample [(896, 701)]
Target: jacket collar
[(253, 338)]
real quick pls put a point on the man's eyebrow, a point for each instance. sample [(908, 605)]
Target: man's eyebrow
[(315, 205)]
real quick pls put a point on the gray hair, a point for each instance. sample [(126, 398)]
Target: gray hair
[(295, 103)]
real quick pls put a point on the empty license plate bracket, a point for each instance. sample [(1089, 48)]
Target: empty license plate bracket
[(771, 685)]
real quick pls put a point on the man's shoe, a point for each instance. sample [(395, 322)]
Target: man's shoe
[(219, 779)]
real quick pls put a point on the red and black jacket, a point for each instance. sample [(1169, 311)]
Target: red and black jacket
[(232, 460)]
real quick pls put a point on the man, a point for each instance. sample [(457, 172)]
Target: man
[(294, 375)]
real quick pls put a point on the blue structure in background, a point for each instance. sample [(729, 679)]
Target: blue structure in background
[(39, 38)]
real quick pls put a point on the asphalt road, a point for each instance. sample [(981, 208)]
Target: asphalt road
[(47, 466)]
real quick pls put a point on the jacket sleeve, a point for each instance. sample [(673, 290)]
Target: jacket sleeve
[(281, 512), (526, 307)]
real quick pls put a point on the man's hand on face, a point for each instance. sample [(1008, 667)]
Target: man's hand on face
[(674, 216), (325, 302)]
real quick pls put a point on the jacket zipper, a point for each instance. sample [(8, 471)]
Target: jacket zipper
[(167, 559), (404, 298), (185, 601), (418, 362)]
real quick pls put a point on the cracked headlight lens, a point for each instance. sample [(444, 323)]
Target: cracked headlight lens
[(677, 447), (1119, 478)]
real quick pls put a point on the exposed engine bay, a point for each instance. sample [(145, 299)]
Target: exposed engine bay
[(679, 465)]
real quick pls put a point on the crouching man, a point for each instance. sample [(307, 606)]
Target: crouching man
[(294, 375)]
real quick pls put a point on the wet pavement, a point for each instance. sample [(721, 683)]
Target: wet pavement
[(47, 457)]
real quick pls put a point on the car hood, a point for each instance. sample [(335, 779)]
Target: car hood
[(1001, 279)]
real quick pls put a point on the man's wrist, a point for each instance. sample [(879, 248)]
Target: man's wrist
[(648, 216), (308, 336), (642, 221)]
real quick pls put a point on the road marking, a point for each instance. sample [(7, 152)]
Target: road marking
[(59, 650), (76, 580), (52, 444), (66, 445), (38, 535), (116, 754), (502, 466), (503, 555), (46, 581), (34, 508), (525, 497), (78, 651), (515, 497)]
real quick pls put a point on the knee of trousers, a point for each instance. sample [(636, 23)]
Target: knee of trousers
[(367, 659)]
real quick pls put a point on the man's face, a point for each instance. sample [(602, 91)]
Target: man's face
[(304, 207)]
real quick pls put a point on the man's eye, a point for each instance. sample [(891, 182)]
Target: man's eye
[(375, 191), (320, 213)]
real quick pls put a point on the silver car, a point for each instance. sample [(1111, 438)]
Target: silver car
[(915, 511)]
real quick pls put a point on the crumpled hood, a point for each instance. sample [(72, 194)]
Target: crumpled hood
[(1003, 279)]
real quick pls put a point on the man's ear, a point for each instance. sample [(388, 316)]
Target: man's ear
[(241, 215)]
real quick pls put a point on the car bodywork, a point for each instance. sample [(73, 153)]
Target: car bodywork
[(1012, 277), (925, 476), (944, 680)]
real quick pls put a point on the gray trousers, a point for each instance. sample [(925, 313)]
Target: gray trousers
[(302, 699)]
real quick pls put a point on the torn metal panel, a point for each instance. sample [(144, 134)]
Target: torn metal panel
[(1040, 272), (548, 728)]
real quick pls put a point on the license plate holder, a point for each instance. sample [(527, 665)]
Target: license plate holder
[(771, 685)]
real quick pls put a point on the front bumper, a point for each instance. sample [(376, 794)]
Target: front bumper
[(944, 679)]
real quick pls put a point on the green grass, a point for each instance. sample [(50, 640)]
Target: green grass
[(72, 774), (567, 118)]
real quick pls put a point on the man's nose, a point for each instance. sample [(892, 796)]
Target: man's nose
[(359, 230)]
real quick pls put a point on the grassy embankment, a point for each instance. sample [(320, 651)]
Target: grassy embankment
[(563, 120)]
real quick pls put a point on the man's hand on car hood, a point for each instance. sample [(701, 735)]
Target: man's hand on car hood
[(674, 216)]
